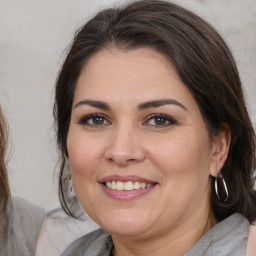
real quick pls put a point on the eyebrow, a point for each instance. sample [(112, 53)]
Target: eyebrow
[(93, 103), (159, 103), (149, 104)]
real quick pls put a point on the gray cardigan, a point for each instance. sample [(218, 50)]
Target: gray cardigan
[(227, 238), (25, 223)]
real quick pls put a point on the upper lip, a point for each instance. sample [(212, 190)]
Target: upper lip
[(132, 178)]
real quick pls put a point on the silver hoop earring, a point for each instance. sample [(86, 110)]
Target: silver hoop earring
[(71, 191), (224, 189)]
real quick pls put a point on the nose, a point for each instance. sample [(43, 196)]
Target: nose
[(125, 147)]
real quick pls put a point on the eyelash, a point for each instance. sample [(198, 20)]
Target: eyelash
[(164, 117), (85, 120)]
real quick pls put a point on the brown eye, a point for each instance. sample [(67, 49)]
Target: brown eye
[(94, 120), (97, 120), (160, 120)]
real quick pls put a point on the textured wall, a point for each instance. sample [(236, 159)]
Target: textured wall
[(33, 37)]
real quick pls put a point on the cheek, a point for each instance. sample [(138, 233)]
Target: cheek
[(184, 164), (84, 157), (84, 154), (185, 155)]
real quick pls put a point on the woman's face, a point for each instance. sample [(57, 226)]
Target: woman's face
[(138, 147)]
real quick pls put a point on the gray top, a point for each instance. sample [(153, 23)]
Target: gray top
[(25, 223), (227, 238)]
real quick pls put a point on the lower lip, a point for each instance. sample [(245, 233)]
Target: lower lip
[(126, 194)]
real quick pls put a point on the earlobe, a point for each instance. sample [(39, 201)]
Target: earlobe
[(221, 144)]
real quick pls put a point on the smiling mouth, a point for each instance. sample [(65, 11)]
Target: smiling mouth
[(127, 186)]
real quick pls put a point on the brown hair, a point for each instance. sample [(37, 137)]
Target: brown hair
[(4, 187), (203, 62)]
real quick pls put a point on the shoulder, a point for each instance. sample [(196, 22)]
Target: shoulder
[(25, 224), (94, 243), (25, 207), (59, 230), (251, 246), (27, 216)]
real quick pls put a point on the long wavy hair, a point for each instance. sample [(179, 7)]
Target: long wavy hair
[(4, 187), (204, 64)]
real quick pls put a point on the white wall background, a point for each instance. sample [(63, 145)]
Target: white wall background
[(33, 36)]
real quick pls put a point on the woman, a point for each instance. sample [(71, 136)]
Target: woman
[(151, 118), (4, 188), (20, 221)]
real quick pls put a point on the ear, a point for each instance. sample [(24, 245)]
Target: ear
[(220, 148)]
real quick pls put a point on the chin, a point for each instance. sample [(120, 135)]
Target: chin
[(128, 225), (124, 231)]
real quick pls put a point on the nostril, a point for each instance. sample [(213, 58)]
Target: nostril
[(121, 160)]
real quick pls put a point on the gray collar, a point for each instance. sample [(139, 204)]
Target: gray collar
[(227, 238)]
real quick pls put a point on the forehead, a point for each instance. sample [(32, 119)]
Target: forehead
[(124, 61), (138, 75)]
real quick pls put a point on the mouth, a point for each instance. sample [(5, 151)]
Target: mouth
[(126, 187)]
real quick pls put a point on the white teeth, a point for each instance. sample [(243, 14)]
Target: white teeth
[(119, 185), (129, 185), (142, 185), (136, 185), (113, 185)]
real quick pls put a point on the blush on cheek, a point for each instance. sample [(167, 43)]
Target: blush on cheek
[(80, 167)]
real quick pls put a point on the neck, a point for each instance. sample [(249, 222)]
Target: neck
[(178, 241)]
